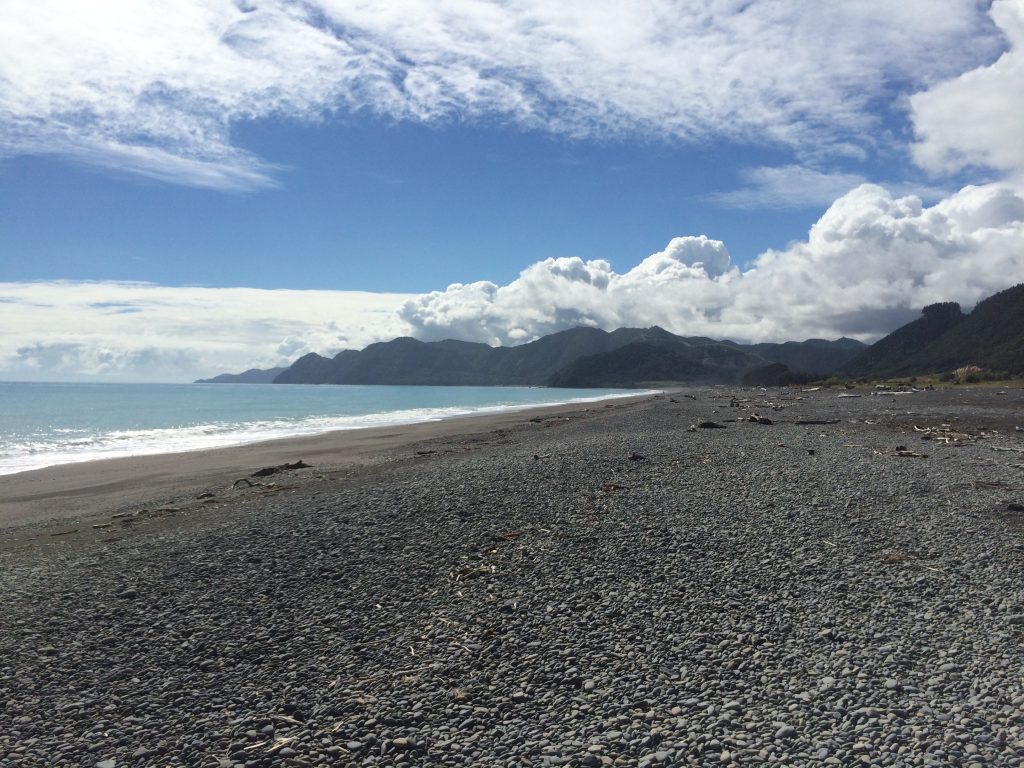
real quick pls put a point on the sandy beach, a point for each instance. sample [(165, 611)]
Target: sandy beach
[(806, 579)]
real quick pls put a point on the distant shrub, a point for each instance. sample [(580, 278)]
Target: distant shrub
[(966, 374), (776, 375), (973, 374)]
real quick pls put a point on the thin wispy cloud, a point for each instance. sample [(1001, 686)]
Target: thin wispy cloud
[(790, 186), (156, 92), (798, 186)]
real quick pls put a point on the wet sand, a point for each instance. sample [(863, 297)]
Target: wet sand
[(86, 491)]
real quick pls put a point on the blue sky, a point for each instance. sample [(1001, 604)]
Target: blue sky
[(492, 171), (450, 203)]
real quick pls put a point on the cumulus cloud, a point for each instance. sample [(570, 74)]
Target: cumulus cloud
[(144, 332), (977, 119), (156, 89), (869, 263), (867, 266)]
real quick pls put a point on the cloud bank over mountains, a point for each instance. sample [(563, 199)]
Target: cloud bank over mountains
[(141, 332), (867, 266), (157, 92)]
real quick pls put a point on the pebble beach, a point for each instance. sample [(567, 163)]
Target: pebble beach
[(804, 580)]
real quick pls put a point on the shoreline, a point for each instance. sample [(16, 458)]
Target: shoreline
[(834, 582), (97, 487), (208, 435)]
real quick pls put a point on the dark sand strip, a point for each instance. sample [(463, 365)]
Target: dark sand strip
[(94, 488)]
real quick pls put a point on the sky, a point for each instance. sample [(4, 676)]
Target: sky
[(197, 186)]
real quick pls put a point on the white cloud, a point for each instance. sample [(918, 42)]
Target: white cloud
[(156, 88), (800, 186), (143, 332), (868, 265), (977, 119)]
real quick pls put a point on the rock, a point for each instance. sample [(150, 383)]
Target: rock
[(677, 620), (127, 594), (267, 471)]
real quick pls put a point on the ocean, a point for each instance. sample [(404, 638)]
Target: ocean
[(45, 424)]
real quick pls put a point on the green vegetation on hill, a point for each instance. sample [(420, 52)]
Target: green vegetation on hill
[(815, 357), (647, 361), (943, 339), (889, 356), (991, 337), (775, 375)]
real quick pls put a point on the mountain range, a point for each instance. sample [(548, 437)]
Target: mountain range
[(942, 339), (579, 357), (251, 376)]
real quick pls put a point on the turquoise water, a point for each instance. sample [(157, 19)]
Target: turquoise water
[(46, 424)]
